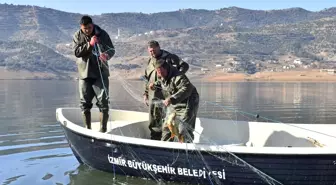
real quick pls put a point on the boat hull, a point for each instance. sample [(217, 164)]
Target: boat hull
[(192, 167)]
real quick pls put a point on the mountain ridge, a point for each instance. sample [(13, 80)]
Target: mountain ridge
[(254, 36)]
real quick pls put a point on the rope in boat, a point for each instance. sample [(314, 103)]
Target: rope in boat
[(99, 62), (99, 66), (243, 112), (267, 178), (97, 48), (254, 115), (243, 161), (275, 121), (107, 66)]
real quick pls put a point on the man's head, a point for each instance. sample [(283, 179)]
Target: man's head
[(161, 67), (86, 25), (154, 49)]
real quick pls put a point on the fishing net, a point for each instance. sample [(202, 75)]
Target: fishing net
[(206, 171), (206, 161), (204, 164)]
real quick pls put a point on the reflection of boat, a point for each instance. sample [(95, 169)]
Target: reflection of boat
[(276, 152), (85, 175)]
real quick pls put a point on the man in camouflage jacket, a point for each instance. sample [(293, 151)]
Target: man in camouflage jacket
[(150, 97), (179, 93)]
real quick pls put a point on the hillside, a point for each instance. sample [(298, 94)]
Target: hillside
[(44, 23), (39, 39), (32, 56)]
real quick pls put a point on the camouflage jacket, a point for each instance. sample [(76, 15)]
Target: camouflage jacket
[(150, 73), (178, 88), (87, 64)]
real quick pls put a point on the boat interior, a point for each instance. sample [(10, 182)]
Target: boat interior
[(219, 132)]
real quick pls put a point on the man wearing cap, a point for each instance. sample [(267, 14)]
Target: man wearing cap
[(181, 94), (155, 111)]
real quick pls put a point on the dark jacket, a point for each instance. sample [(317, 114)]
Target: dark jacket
[(88, 64), (179, 89), (150, 73)]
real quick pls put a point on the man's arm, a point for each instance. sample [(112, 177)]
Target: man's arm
[(146, 84), (146, 78), (80, 49), (110, 50), (182, 66), (184, 87)]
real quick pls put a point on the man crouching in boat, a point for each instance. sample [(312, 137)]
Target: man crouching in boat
[(182, 95), (93, 71), (151, 98)]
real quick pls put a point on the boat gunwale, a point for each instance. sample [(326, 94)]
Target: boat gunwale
[(190, 146)]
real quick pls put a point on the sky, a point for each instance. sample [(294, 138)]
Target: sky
[(96, 7)]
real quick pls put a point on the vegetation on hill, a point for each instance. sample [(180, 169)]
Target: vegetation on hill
[(39, 39)]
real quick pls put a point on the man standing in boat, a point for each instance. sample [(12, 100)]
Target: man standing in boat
[(155, 110), (94, 47), (179, 93)]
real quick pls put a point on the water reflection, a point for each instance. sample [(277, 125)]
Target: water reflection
[(282, 102), (37, 167), (33, 149), (85, 175)]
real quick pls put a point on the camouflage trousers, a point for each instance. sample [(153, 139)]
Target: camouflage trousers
[(186, 118)]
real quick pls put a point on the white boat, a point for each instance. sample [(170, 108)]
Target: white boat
[(223, 151)]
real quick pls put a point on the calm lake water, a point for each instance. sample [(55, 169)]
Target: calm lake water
[(33, 149)]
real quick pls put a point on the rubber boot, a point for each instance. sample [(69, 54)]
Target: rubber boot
[(87, 119), (103, 121)]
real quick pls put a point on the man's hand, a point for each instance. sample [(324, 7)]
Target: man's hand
[(103, 57), (151, 86), (167, 102), (145, 98), (93, 40)]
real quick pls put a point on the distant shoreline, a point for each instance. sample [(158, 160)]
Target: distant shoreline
[(286, 76)]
